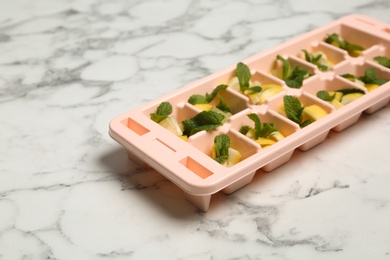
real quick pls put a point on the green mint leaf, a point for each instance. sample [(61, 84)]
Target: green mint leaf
[(255, 118), (245, 129), (308, 57), (324, 95), (205, 120), (349, 76), (306, 123), (370, 77), (210, 97), (222, 105), (197, 99), (296, 78), (163, 111), (267, 129), (221, 144), (334, 38), (293, 108), (382, 60), (322, 67), (286, 67), (346, 91), (255, 89), (244, 75), (352, 47)]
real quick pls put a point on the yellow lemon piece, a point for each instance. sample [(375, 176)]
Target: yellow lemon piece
[(354, 53), (313, 112), (265, 141), (234, 157), (371, 87), (350, 97), (213, 153), (338, 95), (254, 98), (234, 84), (184, 137), (269, 92), (336, 103), (277, 69), (204, 107), (171, 124), (251, 134), (281, 110), (276, 136), (335, 44)]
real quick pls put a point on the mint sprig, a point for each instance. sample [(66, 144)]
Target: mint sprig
[(244, 76), (382, 60), (293, 77), (324, 95), (343, 44), (207, 98), (370, 77), (163, 111), (315, 60), (294, 109), (262, 129), (221, 145), (205, 120)]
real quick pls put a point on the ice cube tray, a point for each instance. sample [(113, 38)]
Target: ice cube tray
[(189, 165)]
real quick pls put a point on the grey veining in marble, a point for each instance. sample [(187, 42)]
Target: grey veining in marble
[(68, 191)]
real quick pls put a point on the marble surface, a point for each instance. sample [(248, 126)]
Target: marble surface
[(67, 190)]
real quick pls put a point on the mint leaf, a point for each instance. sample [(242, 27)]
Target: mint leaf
[(197, 99), (245, 129), (221, 145), (308, 57), (349, 76), (256, 89), (205, 120), (244, 75), (334, 38), (210, 97), (382, 60), (324, 95), (346, 91), (352, 47), (315, 60), (163, 111), (261, 129), (370, 77), (293, 108), (286, 67), (306, 123), (296, 78), (222, 105), (267, 129)]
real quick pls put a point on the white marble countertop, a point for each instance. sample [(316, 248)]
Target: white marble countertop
[(67, 190)]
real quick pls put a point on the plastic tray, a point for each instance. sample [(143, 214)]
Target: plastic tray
[(189, 165)]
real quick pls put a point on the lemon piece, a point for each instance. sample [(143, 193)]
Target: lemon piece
[(276, 136), (254, 98), (354, 53), (359, 82), (281, 110), (226, 114), (204, 107), (336, 103), (234, 84), (265, 141), (371, 87), (234, 157), (184, 137), (171, 124), (277, 69), (269, 92), (255, 83), (313, 112), (338, 95), (251, 134), (213, 152), (350, 97)]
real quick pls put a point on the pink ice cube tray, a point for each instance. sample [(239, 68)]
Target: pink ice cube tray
[(188, 163)]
